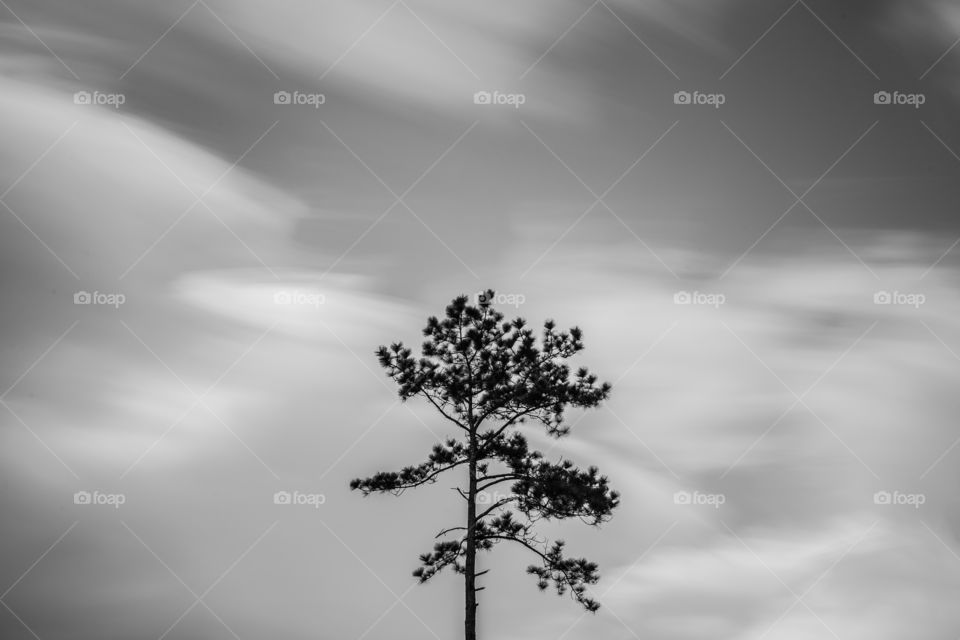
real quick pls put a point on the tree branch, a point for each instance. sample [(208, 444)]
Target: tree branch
[(496, 505), (503, 477), (430, 399)]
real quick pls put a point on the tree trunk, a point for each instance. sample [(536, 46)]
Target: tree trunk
[(470, 573)]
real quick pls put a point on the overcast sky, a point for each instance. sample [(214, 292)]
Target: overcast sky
[(749, 207)]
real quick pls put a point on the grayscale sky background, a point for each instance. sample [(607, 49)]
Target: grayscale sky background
[(795, 203)]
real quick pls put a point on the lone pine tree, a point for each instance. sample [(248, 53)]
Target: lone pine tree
[(484, 376)]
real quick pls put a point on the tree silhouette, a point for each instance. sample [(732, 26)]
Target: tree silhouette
[(485, 376)]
